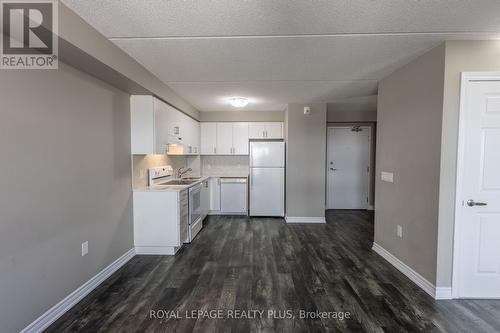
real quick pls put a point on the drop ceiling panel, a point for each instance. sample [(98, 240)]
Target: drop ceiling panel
[(281, 51), (139, 18), (270, 95), (293, 58)]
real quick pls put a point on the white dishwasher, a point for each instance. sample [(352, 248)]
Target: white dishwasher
[(233, 196)]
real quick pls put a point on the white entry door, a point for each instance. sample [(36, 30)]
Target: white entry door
[(479, 193), (348, 168)]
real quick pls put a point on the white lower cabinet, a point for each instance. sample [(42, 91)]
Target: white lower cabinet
[(160, 221), (214, 184)]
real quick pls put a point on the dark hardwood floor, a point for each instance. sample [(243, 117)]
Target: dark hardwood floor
[(264, 264)]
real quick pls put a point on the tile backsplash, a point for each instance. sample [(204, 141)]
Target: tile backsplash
[(225, 166), (141, 164), (229, 166)]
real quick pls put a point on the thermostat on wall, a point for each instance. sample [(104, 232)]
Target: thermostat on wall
[(307, 110)]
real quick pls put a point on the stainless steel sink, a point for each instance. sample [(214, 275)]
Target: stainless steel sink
[(191, 178)]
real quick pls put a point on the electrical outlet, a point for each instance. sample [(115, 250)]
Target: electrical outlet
[(399, 231), (85, 248)]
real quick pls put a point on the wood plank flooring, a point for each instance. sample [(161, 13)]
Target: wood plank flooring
[(264, 264)]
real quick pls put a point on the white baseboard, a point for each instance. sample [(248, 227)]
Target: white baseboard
[(419, 280), (54, 313), (443, 293), (156, 250), (296, 219)]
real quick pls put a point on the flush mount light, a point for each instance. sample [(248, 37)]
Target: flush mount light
[(238, 102)]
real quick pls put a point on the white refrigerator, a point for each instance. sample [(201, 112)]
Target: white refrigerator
[(267, 178)]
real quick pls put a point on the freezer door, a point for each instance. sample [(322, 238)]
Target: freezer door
[(267, 192), (267, 154)]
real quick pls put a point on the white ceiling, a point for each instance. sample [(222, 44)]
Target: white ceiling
[(281, 51)]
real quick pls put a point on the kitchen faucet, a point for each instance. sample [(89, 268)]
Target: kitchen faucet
[(181, 172)]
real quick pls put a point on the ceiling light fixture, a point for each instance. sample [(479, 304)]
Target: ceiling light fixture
[(238, 102)]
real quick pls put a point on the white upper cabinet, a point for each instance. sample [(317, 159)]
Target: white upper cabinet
[(224, 138), (240, 138), (274, 130), (266, 130), (257, 130), (164, 123), (208, 138), (155, 124), (231, 138), (142, 120)]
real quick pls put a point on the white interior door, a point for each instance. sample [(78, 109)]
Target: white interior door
[(479, 213), (348, 168)]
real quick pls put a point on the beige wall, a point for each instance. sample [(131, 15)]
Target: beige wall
[(66, 179), (461, 56), (85, 48), (351, 116), (242, 116), (306, 159), (409, 115)]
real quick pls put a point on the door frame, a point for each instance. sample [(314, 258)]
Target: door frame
[(370, 170), (465, 80)]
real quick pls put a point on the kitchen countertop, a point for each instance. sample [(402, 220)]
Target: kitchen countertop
[(179, 188), (169, 188), (229, 176)]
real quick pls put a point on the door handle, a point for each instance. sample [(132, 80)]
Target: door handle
[(472, 203), (333, 169)]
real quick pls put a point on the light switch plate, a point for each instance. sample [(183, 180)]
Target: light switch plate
[(399, 231), (387, 177), (85, 248)]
